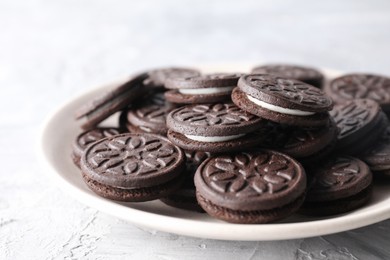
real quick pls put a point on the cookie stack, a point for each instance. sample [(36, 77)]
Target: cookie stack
[(244, 148)]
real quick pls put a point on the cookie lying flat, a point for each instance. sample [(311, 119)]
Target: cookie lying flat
[(213, 128), (361, 86), (184, 197), (88, 137), (361, 123), (378, 157), (112, 101), (150, 116), (309, 145), (157, 77), (250, 188), (308, 75), (133, 167), (282, 100), (340, 184), (201, 89)]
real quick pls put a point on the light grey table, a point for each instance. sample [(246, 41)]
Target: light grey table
[(51, 50)]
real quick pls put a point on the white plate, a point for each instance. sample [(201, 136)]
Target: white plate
[(60, 130)]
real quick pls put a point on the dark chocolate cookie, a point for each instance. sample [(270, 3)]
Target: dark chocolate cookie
[(361, 123), (353, 86), (308, 75), (184, 197), (201, 89), (112, 101), (282, 100), (150, 116), (213, 128), (340, 184), (303, 143), (133, 167), (158, 77), (378, 157), (250, 188), (88, 137)]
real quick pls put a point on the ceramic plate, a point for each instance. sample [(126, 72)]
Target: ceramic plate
[(60, 130)]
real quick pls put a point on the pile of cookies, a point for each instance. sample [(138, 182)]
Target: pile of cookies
[(244, 148)]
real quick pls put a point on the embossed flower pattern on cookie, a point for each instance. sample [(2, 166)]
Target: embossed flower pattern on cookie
[(95, 135), (246, 175), (216, 114)]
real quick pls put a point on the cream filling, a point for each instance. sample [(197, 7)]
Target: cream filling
[(203, 91), (213, 139), (278, 109)]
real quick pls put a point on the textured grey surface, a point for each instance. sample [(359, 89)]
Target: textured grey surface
[(52, 50)]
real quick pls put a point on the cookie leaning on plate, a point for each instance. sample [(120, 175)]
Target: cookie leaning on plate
[(214, 128), (209, 88), (157, 77), (282, 100), (250, 188), (133, 167)]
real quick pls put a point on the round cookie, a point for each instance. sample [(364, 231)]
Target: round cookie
[(378, 157), (361, 86), (281, 100), (250, 188), (112, 101), (209, 88), (361, 122), (184, 197), (305, 74), (309, 145), (150, 116), (133, 167), (88, 137), (214, 128), (157, 77), (340, 184)]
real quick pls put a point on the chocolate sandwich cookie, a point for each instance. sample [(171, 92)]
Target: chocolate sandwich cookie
[(282, 100), (201, 89), (378, 157), (184, 197), (308, 75), (250, 188), (150, 116), (361, 86), (88, 137), (133, 167), (309, 145), (157, 77), (214, 128), (340, 184), (361, 122), (112, 101)]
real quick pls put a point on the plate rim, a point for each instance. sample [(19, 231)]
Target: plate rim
[(209, 230)]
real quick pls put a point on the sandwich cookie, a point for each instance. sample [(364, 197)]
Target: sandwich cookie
[(361, 122), (340, 184), (112, 101), (308, 75), (250, 188), (150, 116), (378, 157), (156, 78), (358, 86), (88, 137), (184, 197), (133, 167), (213, 128), (282, 100), (201, 89), (309, 145)]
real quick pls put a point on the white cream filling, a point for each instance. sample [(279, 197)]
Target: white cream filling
[(203, 91), (213, 139), (278, 109)]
